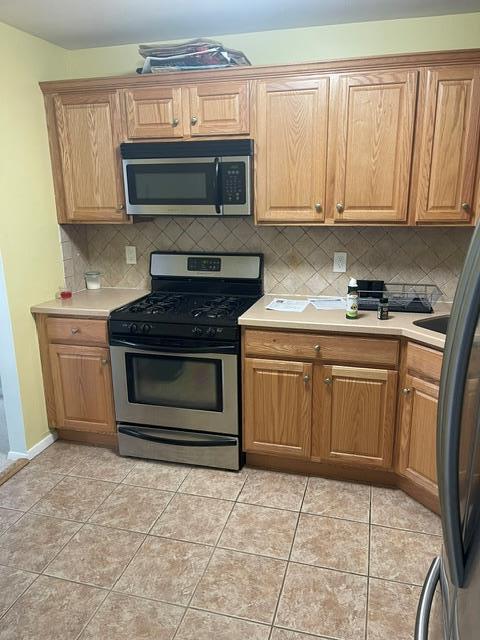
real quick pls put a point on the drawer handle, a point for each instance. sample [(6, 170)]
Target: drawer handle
[(74, 330), (306, 378), (406, 391), (317, 348), (104, 361), (328, 381)]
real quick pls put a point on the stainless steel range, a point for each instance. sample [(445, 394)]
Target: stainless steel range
[(175, 359)]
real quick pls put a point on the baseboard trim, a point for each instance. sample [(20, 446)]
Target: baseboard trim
[(35, 450)]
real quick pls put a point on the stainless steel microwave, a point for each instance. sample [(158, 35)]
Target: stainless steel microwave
[(208, 178)]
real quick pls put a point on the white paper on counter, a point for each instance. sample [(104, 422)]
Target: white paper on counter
[(326, 303), (287, 304)]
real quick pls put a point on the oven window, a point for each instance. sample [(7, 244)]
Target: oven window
[(182, 183), (170, 381)]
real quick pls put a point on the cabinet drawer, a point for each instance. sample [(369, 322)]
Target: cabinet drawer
[(77, 331), (328, 348), (424, 361)]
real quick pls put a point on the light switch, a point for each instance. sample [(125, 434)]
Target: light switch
[(339, 262), (131, 255)]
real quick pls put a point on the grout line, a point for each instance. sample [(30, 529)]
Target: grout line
[(368, 563), (21, 594), (97, 609)]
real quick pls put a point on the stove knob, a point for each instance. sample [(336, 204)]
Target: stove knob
[(197, 331), (133, 328), (211, 331), (146, 328)]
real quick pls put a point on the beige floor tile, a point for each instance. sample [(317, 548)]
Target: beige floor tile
[(128, 618), (212, 483), (404, 556), (393, 508), (37, 614), (74, 498), (323, 602), (133, 508), (26, 488), (285, 634), (260, 530), (392, 609), (8, 517), (157, 475), (202, 625), (331, 543), (166, 570), (337, 499), (13, 582), (193, 519), (95, 555), (272, 489), (61, 457), (34, 540), (241, 585), (104, 464)]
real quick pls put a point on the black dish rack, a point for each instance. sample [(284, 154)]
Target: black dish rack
[(402, 297)]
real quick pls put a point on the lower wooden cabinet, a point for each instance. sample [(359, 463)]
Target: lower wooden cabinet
[(354, 415), (82, 388), (417, 433), (277, 407)]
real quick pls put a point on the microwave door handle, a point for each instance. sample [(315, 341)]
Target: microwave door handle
[(217, 187)]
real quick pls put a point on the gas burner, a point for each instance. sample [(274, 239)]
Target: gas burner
[(155, 304), (216, 308)]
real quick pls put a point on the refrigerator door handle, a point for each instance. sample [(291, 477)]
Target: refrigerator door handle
[(426, 601)]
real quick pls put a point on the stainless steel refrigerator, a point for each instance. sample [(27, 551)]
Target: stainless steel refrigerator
[(449, 607)]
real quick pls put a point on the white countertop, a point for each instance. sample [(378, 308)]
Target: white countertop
[(311, 319), (93, 303)]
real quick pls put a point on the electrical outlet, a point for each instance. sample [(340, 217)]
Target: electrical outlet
[(339, 262), (131, 255)]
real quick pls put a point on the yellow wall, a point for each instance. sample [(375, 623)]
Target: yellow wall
[(29, 243), (314, 43)]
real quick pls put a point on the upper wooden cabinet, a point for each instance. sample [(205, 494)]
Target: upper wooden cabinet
[(354, 415), (88, 174), (277, 407), (291, 149), (217, 109), (371, 138), (447, 146), (154, 112)]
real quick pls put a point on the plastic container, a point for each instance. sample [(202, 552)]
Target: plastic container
[(92, 279)]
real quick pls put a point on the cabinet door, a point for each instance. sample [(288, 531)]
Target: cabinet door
[(83, 388), (219, 109), (354, 415), (277, 407), (371, 146), (291, 150), (89, 134), (448, 145), (418, 430), (154, 112)]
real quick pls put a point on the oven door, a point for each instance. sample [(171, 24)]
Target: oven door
[(180, 186), (177, 386)]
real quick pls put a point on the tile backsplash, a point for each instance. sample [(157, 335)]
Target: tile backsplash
[(297, 259)]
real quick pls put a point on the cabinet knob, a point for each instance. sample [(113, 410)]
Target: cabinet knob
[(317, 348), (194, 120), (318, 207), (406, 391), (306, 378), (104, 361), (465, 206), (328, 381), (120, 207), (340, 207), (74, 330), (175, 122)]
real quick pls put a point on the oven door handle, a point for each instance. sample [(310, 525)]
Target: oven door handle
[(220, 442), (199, 347)]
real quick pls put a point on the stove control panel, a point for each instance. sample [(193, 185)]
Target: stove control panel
[(204, 264), (119, 328)]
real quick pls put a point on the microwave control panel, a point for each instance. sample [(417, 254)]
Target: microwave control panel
[(234, 183)]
